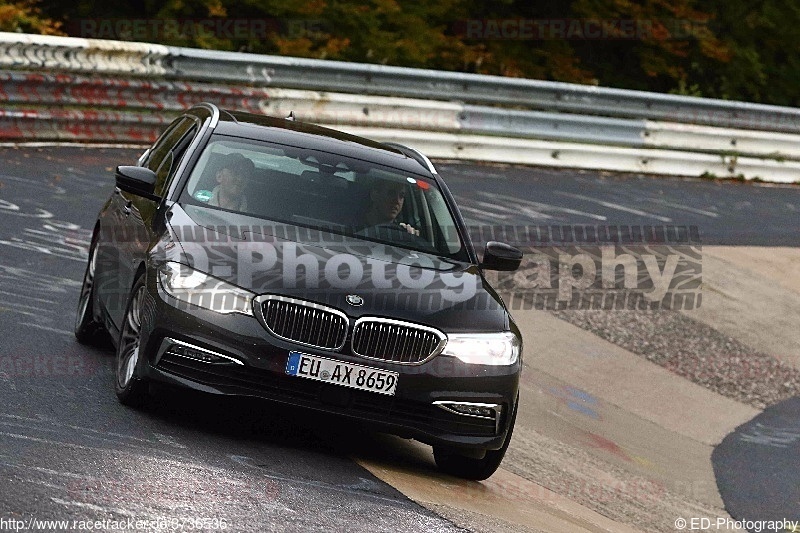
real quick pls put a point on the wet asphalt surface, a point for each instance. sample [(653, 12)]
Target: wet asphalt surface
[(725, 213), (69, 450)]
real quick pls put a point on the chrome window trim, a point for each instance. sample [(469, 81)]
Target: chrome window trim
[(259, 312), (414, 154), (427, 161), (436, 351), (214, 113)]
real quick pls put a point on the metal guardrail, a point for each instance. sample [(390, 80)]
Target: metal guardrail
[(187, 63), (586, 156), (81, 55), (562, 126), (67, 90), (360, 78), (77, 125), (142, 59), (480, 116)]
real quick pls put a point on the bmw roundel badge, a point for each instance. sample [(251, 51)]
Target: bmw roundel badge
[(355, 299)]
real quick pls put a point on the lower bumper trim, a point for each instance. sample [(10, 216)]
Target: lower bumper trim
[(178, 348)]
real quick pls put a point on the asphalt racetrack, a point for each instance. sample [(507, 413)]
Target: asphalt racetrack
[(69, 450)]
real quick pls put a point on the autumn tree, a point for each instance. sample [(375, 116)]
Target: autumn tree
[(25, 17), (737, 49), (764, 46)]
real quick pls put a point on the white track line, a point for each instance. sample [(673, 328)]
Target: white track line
[(612, 205), (703, 212)]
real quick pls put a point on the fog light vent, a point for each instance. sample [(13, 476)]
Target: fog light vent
[(189, 351), (473, 410), (194, 353), (485, 411)]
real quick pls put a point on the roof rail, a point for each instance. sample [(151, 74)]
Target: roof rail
[(416, 155)]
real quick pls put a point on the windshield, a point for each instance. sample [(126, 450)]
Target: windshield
[(296, 186)]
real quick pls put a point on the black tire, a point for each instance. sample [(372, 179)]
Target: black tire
[(87, 330), (131, 389), (451, 462)]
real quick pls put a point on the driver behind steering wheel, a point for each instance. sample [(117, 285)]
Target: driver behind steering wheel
[(386, 202)]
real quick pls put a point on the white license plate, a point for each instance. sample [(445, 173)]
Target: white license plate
[(341, 373)]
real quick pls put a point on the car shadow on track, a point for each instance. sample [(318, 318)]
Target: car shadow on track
[(235, 423), (276, 424)]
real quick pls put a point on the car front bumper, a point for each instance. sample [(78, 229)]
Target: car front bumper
[(253, 363)]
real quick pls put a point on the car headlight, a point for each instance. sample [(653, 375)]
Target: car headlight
[(198, 288), (484, 348)]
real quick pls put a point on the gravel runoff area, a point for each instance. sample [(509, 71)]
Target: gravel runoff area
[(695, 351)]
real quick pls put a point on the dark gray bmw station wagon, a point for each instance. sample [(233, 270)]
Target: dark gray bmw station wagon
[(257, 256)]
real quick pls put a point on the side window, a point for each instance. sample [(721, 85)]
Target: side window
[(163, 172), (168, 150), (154, 156)]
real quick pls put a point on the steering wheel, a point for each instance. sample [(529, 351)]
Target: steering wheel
[(391, 226), (391, 231), (386, 230)]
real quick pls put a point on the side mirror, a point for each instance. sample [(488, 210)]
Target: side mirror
[(137, 180), (500, 256)]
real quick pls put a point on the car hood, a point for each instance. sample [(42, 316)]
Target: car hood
[(389, 281)]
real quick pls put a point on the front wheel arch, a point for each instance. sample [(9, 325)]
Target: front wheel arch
[(88, 328), (450, 461)]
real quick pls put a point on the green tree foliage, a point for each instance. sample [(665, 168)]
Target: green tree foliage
[(25, 17), (667, 37), (738, 49), (764, 41)]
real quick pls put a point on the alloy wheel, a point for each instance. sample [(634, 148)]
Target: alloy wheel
[(129, 342), (86, 292)]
